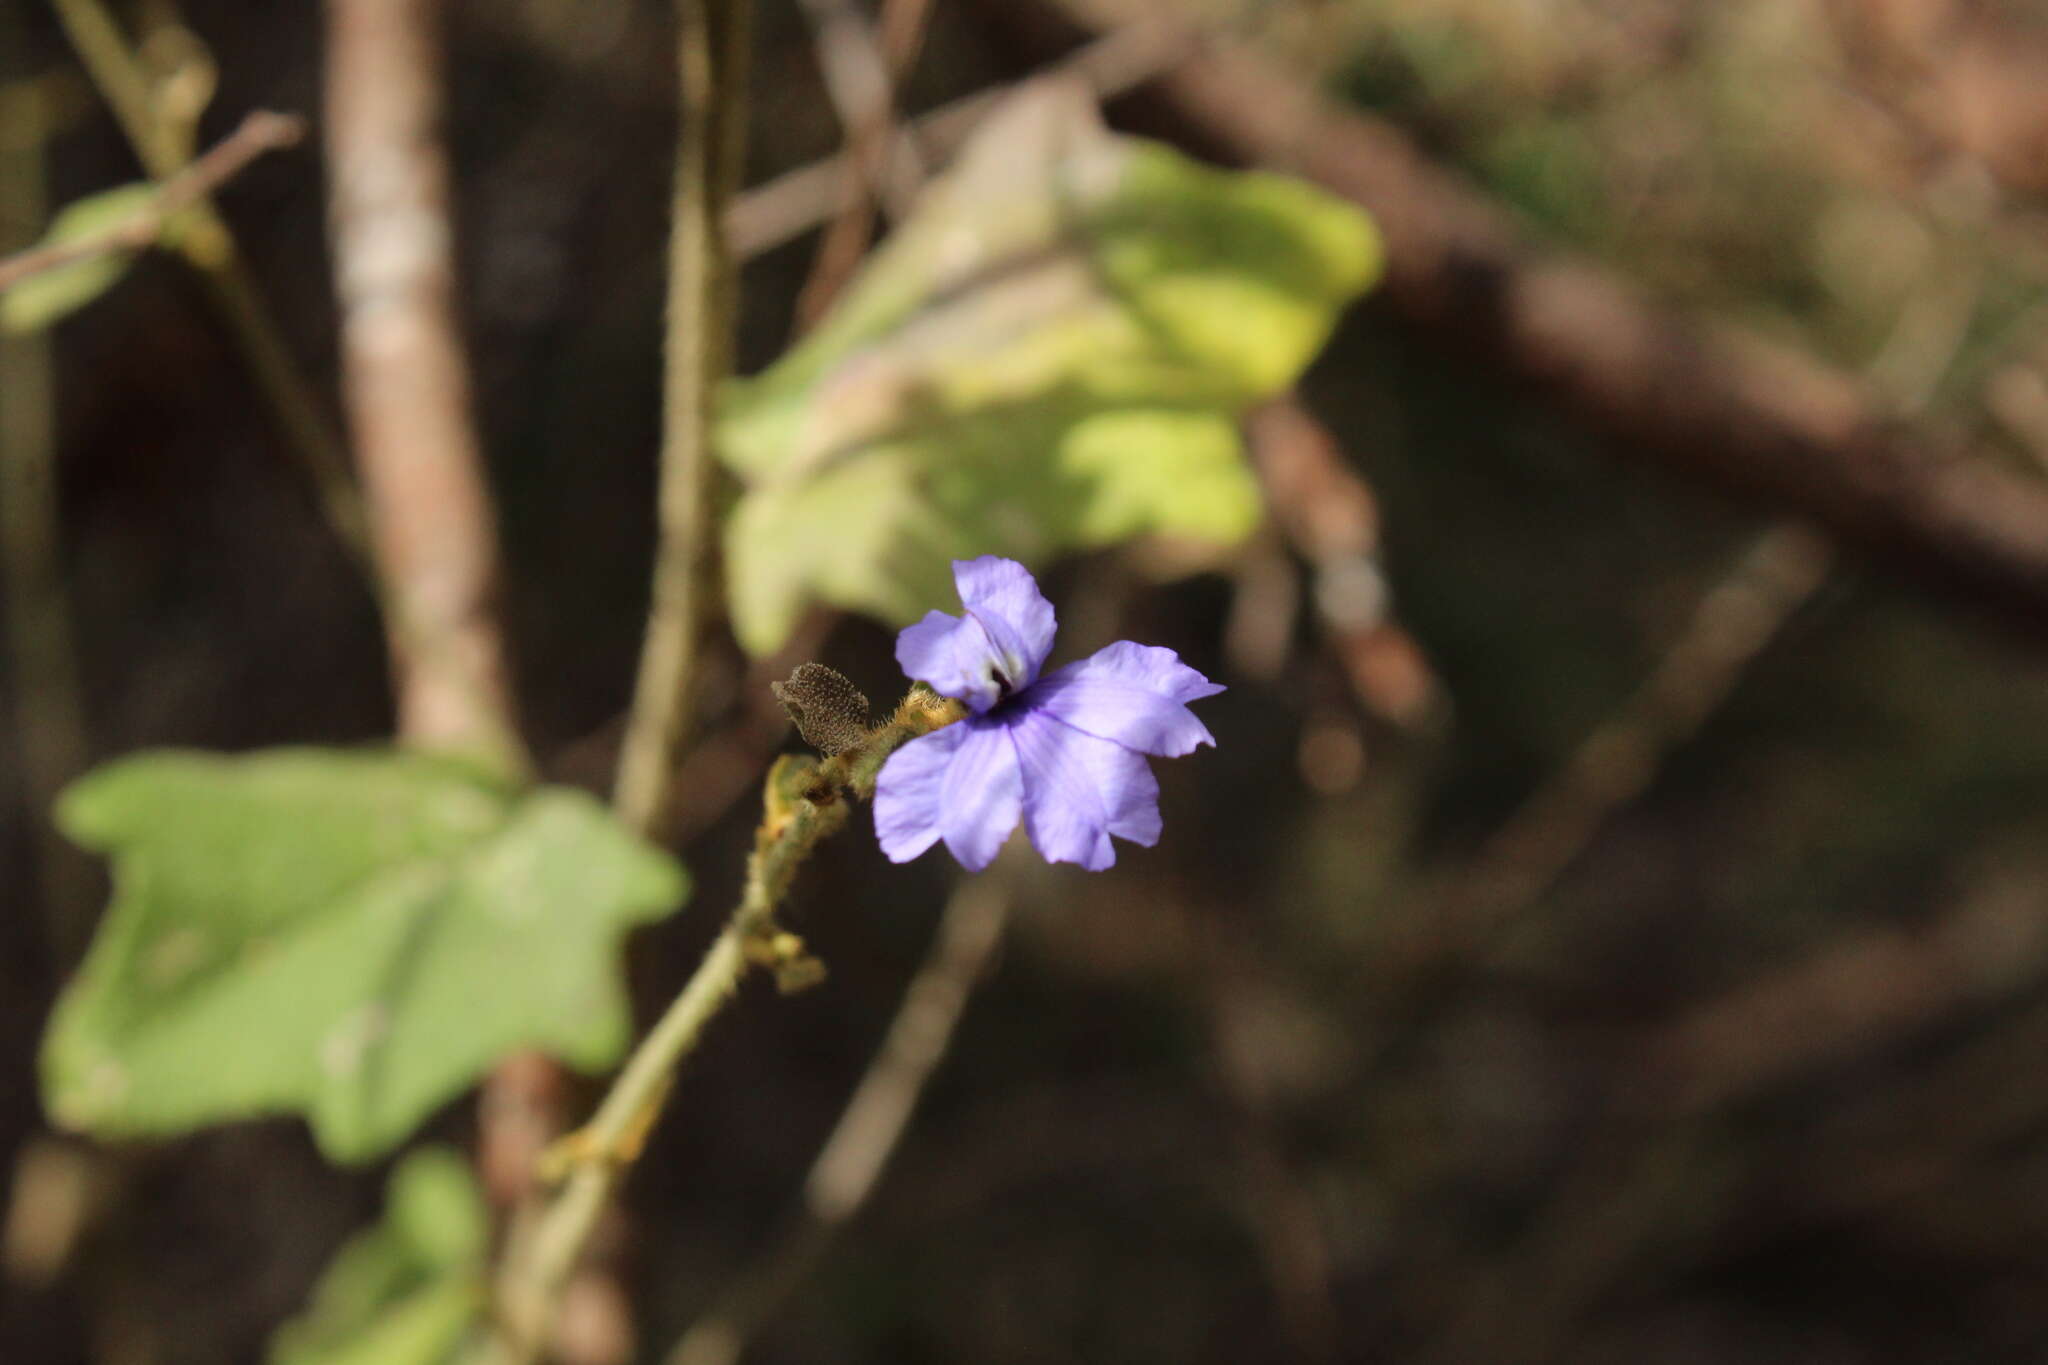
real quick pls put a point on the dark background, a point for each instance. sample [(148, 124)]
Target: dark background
[(1757, 1078)]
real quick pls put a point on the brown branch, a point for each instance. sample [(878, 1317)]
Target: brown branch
[(1330, 518), (262, 131), (863, 66), (1731, 410), (407, 383), (796, 201)]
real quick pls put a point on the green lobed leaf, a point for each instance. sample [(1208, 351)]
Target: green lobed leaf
[(355, 936), (1051, 353), (407, 1291), (42, 299)]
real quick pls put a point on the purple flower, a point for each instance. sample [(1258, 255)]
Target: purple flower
[(1066, 751)]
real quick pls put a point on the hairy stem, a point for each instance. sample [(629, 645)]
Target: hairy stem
[(712, 59), (804, 804)]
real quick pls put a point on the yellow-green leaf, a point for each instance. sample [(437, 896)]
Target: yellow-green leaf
[(41, 299), (1051, 353)]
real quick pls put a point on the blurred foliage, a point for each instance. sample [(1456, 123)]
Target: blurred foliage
[(407, 1291), (44, 298), (353, 936), (1050, 354), (1196, 1116)]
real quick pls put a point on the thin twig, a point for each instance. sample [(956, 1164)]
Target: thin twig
[(712, 56), (262, 131), (863, 69), (544, 1248), (1330, 518), (1781, 570), (970, 930), (210, 246), (1744, 611), (1638, 1172), (41, 646), (796, 201)]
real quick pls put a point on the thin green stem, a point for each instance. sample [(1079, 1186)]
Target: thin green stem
[(712, 59), (125, 86), (804, 804), (42, 651)]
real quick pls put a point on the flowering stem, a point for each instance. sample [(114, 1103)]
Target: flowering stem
[(804, 802)]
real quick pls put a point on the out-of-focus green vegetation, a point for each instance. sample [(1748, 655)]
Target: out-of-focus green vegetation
[(1752, 1079)]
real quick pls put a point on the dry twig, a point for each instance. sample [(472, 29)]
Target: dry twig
[(262, 131), (862, 69), (298, 412)]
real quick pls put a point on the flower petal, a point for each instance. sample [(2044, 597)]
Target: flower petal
[(954, 655), (993, 651), (1132, 694), (1004, 597), (960, 783), (1079, 789), (984, 792), (910, 792)]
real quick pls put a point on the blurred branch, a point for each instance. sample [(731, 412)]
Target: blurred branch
[(407, 384), (1651, 1166), (1730, 409), (862, 70), (1278, 1203), (42, 648), (407, 381), (1331, 519), (784, 208), (1735, 620), (1869, 987), (710, 145), (970, 931), (161, 148), (543, 1251), (260, 132)]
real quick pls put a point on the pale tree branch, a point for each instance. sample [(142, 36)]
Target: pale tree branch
[(407, 383)]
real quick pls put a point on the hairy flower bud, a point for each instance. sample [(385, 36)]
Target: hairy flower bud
[(826, 708)]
